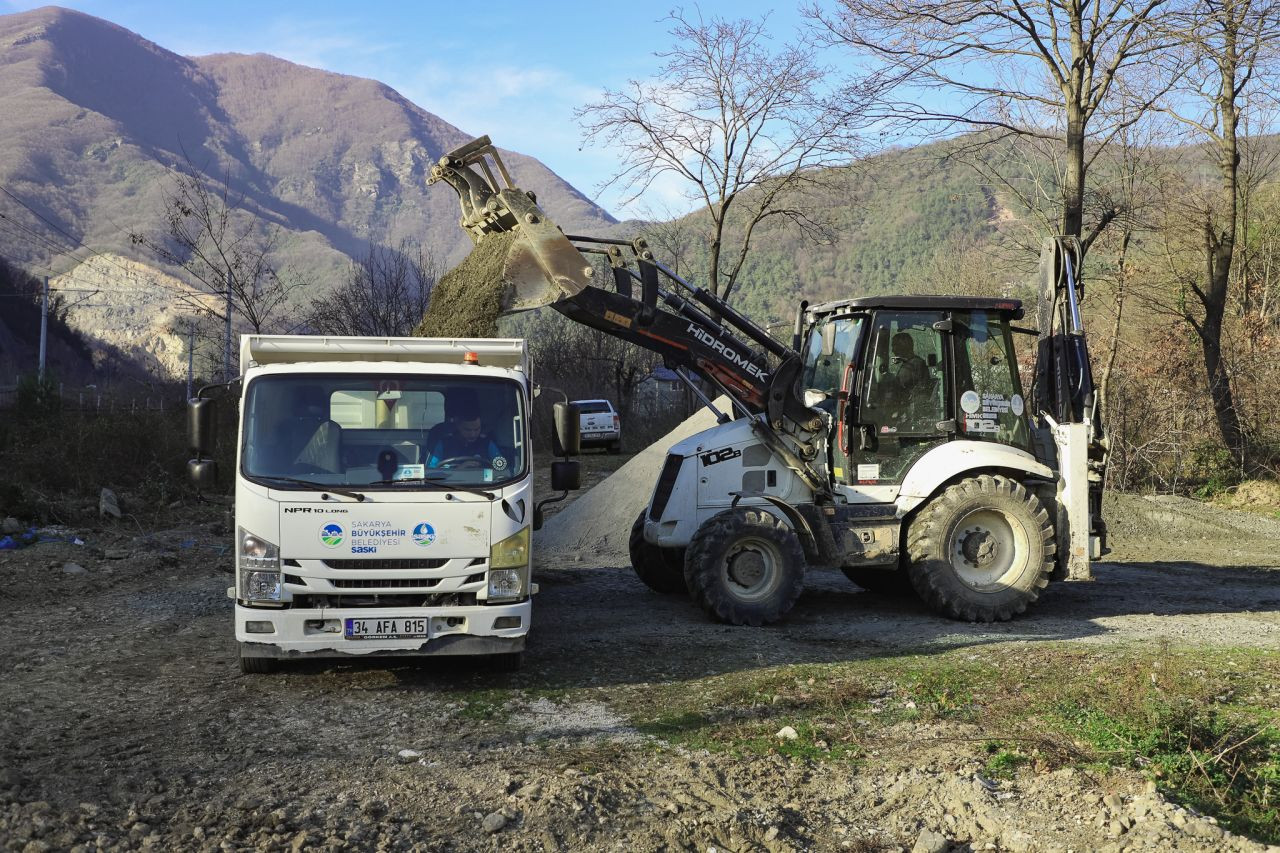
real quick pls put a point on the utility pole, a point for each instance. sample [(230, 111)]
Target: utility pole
[(226, 350), (191, 352), (44, 325)]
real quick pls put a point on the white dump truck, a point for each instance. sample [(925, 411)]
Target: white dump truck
[(383, 499)]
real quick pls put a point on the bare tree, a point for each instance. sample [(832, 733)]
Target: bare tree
[(1230, 50), (676, 239), (1032, 71), (385, 293), (210, 234), (741, 127)]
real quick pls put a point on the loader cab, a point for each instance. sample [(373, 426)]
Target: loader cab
[(902, 375)]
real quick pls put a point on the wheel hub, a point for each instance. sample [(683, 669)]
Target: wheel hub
[(979, 547), (747, 568), (985, 547)]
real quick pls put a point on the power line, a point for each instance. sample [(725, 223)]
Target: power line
[(93, 253), (44, 242)]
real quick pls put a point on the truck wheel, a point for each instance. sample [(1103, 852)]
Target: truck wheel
[(745, 567), (660, 569), (982, 550), (258, 666), (884, 582), (615, 447)]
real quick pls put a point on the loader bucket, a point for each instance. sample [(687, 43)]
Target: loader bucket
[(541, 266)]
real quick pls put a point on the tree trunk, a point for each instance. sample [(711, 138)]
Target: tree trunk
[(1073, 185), (1104, 386), (1219, 243)]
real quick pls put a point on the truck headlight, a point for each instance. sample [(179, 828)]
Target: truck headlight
[(259, 564), (510, 552), (509, 568)]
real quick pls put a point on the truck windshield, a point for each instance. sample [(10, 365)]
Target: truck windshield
[(385, 431)]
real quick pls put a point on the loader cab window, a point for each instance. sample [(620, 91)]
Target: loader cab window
[(829, 354), (903, 387), (901, 399), (991, 404)]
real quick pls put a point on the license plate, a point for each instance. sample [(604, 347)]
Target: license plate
[(405, 628)]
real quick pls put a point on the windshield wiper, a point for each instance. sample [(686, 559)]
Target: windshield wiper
[(316, 487), (433, 484)]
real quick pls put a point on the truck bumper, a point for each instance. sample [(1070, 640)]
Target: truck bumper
[(320, 633)]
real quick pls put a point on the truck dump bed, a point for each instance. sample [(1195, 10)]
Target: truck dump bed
[(287, 349)]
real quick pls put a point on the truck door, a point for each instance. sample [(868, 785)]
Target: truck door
[(899, 409)]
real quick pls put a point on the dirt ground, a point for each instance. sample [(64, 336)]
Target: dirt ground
[(126, 723)]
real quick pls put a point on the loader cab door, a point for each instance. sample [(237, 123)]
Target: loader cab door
[(898, 411), (830, 367)]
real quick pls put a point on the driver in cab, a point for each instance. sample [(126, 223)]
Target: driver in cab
[(467, 441)]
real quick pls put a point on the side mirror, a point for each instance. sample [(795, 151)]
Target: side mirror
[(201, 430), (568, 429), (203, 474), (566, 476)]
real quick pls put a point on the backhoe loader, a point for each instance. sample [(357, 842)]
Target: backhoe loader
[(890, 438)]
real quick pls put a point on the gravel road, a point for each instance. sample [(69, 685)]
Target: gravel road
[(127, 725)]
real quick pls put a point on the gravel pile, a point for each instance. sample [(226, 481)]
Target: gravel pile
[(599, 521)]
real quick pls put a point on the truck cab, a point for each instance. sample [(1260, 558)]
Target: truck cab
[(382, 498)]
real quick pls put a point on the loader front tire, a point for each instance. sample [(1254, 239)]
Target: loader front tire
[(745, 567), (982, 550), (660, 569)]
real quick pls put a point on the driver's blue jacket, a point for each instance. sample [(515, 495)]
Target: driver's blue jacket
[(452, 445)]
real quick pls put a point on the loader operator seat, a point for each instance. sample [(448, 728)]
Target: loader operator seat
[(911, 386), (310, 440)]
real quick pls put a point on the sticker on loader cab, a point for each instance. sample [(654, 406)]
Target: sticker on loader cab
[(868, 473), (424, 534), (715, 457), (331, 535), (970, 402), (993, 406), (1017, 405)]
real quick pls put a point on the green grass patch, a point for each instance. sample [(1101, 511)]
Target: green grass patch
[(1204, 724), (1002, 763), (485, 705)]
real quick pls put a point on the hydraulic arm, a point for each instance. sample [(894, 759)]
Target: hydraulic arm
[(645, 303), (1065, 398)]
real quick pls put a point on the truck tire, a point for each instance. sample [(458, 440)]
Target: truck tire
[(745, 567), (660, 569), (614, 448), (881, 581), (981, 550), (258, 666)]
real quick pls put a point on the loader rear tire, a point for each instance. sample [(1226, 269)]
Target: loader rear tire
[(745, 567), (881, 581), (660, 569), (982, 550)]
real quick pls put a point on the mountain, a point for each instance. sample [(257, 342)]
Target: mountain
[(95, 117)]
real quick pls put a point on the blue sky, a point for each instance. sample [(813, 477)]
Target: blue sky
[(513, 70)]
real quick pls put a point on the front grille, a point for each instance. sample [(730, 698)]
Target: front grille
[(387, 599), (666, 483), (385, 565), (385, 583)]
